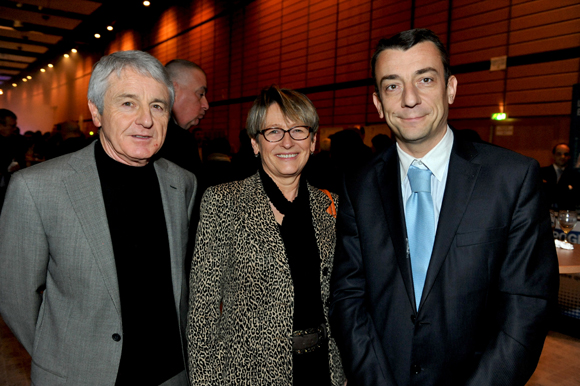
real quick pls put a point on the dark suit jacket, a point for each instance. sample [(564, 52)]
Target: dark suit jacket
[(492, 276), (180, 147), (563, 194)]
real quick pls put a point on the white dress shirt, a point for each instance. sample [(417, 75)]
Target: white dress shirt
[(437, 160)]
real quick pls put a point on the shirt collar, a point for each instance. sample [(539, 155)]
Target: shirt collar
[(436, 159)]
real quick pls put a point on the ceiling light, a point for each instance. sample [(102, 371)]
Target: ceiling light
[(109, 28), (50, 65), (14, 85), (146, 3), (29, 77), (42, 70), (24, 80), (98, 36), (1, 92), (66, 55), (499, 116), (74, 50)]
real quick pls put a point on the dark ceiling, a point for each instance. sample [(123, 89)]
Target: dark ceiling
[(34, 33)]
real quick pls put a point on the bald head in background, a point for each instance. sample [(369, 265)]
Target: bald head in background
[(190, 85)]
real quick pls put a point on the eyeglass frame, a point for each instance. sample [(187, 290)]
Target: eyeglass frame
[(286, 131)]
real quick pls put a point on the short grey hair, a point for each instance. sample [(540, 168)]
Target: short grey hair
[(176, 67), (138, 61), (293, 104)]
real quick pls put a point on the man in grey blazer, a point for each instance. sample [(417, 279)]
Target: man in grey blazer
[(92, 244)]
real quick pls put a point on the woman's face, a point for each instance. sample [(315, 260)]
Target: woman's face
[(287, 158)]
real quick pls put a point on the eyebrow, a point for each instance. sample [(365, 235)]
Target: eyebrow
[(133, 96), (418, 72)]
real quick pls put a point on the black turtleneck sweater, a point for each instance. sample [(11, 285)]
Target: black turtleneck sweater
[(151, 340)]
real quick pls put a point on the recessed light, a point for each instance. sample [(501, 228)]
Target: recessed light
[(74, 50), (98, 36), (42, 70), (24, 80), (66, 55), (50, 65), (109, 28), (28, 77), (14, 85), (146, 3), (1, 92)]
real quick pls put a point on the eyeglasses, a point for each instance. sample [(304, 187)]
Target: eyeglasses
[(276, 134)]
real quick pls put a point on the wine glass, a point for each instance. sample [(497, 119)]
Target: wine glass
[(567, 219)]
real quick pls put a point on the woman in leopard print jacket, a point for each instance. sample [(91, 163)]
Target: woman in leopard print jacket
[(259, 283)]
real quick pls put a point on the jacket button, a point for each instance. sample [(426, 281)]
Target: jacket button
[(413, 318), (116, 337), (415, 369), (325, 271)]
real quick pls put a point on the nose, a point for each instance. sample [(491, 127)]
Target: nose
[(204, 103), (411, 97), (287, 141), (144, 118)]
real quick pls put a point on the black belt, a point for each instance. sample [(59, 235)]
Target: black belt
[(305, 341)]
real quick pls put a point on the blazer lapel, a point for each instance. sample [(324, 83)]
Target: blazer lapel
[(324, 225), (172, 193), (461, 179), (257, 220), (85, 193), (390, 190)]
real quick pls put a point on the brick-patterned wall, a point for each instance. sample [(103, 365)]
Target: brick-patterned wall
[(324, 46)]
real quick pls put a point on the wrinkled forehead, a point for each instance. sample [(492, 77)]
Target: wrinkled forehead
[(130, 81)]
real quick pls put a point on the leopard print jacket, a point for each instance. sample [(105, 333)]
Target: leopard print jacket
[(241, 300)]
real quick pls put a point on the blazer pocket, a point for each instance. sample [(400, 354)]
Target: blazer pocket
[(485, 236)]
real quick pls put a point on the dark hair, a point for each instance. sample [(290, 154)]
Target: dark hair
[(5, 113), (559, 144), (407, 39)]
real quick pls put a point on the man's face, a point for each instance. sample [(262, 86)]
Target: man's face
[(413, 97), (7, 129), (135, 116), (190, 99), (562, 155)]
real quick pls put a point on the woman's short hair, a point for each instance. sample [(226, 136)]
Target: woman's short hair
[(295, 107), (138, 61)]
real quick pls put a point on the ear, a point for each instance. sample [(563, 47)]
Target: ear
[(451, 89), (378, 105), (255, 146), (313, 144), (95, 114)]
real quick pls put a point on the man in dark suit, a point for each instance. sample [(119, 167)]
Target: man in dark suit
[(190, 84), (448, 279), (561, 182)]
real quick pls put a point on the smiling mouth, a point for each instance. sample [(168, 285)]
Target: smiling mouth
[(286, 155)]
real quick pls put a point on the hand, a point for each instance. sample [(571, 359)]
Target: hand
[(13, 167)]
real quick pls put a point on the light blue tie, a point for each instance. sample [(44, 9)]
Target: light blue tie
[(420, 226)]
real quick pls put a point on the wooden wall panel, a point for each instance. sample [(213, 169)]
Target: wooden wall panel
[(321, 44)]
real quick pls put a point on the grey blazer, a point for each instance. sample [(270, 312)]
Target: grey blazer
[(58, 282)]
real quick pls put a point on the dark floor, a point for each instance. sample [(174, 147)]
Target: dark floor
[(559, 364)]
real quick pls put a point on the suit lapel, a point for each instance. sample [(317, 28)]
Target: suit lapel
[(172, 193), (390, 190), (85, 193), (461, 178), (324, 224), (257, 220)]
